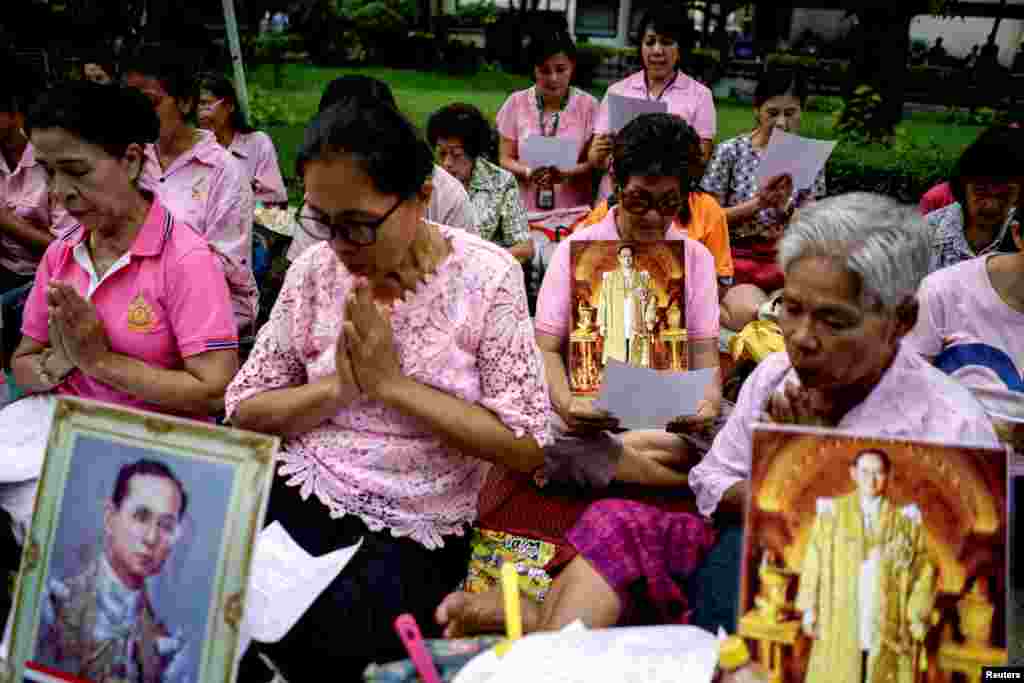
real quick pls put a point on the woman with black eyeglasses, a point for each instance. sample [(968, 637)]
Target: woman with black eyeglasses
[(397, 364)]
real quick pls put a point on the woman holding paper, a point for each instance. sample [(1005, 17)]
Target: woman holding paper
[(397, 364), (553, 109), (758, 214), (665, 36)]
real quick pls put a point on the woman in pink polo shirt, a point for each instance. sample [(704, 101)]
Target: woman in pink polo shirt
[(551, 108), (398, 362), (665, 35), (131, 306), (199, 181), (219, 112)]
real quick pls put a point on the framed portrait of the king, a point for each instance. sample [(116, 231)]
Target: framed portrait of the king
[(137, 560)]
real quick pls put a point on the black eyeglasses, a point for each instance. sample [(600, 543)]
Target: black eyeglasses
[(359, 233), (640, 202)]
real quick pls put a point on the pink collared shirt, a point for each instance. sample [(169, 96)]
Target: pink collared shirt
[(466, 332), (207, 189), (686, 98), (518, 120), (163, 301), (449, 205), (255, 151), (554, 303), (913, 400), (24, 191)]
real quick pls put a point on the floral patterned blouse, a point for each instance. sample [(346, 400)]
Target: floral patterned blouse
[(500, 215), (466, 331), (731, 176)]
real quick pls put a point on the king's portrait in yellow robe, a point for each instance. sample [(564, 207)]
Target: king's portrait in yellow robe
[(626, 313), (889, 564)]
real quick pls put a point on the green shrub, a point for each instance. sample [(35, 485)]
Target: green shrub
[(267, 110), (829, 104), (862, 119), (905, 172)]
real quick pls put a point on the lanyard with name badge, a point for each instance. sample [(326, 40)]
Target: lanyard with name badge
[(546, 195)]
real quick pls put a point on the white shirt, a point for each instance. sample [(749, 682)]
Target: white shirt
[(867, 584)]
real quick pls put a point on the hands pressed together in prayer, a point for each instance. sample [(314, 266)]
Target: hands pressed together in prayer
[(800, 406), (546, 176), (366, 360), (77, 337), (600, 150)]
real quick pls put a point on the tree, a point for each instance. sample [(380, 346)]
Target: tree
[(876, 81)]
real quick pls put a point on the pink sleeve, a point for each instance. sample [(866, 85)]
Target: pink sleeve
[(198, 276), (553, 305), (228, 229), (705, 122), (927, 336), (275, 362), (728, 461), (702, 311), (511, 366), (268, 185), (35, 320), (507, 120), (601, 120)]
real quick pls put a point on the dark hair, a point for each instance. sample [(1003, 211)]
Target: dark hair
[(84, 110), (463, 121), (389, 148), (997, 153), (545, 45), (150, 468), (882, 455), (221, 87), (659, 145), (780, 83), (359, 87), (668, 20), (174, 67), (623, 247), (21, 84)]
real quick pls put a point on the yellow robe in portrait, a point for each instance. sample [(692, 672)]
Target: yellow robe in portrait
[(829, 580), (615, 296)]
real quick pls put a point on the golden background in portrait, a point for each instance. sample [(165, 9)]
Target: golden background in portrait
[(665, 262), (961, 493)]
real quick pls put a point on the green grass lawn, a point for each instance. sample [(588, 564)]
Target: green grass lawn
[(420, 93)]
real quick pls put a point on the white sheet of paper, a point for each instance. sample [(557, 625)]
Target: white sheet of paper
[(539, 151), (802, 158), (648, 399), (638, 654), (622, 110), (284, 580)]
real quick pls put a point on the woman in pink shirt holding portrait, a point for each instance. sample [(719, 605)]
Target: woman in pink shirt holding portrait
[(551, 108), (665, 35)]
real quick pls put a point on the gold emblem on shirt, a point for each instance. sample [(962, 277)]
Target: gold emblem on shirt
[(140, 315)]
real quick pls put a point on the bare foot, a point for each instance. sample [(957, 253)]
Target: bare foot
[(467, 614)]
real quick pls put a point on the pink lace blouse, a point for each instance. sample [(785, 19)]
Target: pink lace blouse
[(466, 332)]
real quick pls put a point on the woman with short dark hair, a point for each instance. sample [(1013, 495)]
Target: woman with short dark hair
[(758, 213), (220, 113), (986, 187), (550, 108), (461, 138), (398, 362), (665, 37)]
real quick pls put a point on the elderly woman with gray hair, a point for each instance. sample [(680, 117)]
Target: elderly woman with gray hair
[(853, 265)]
